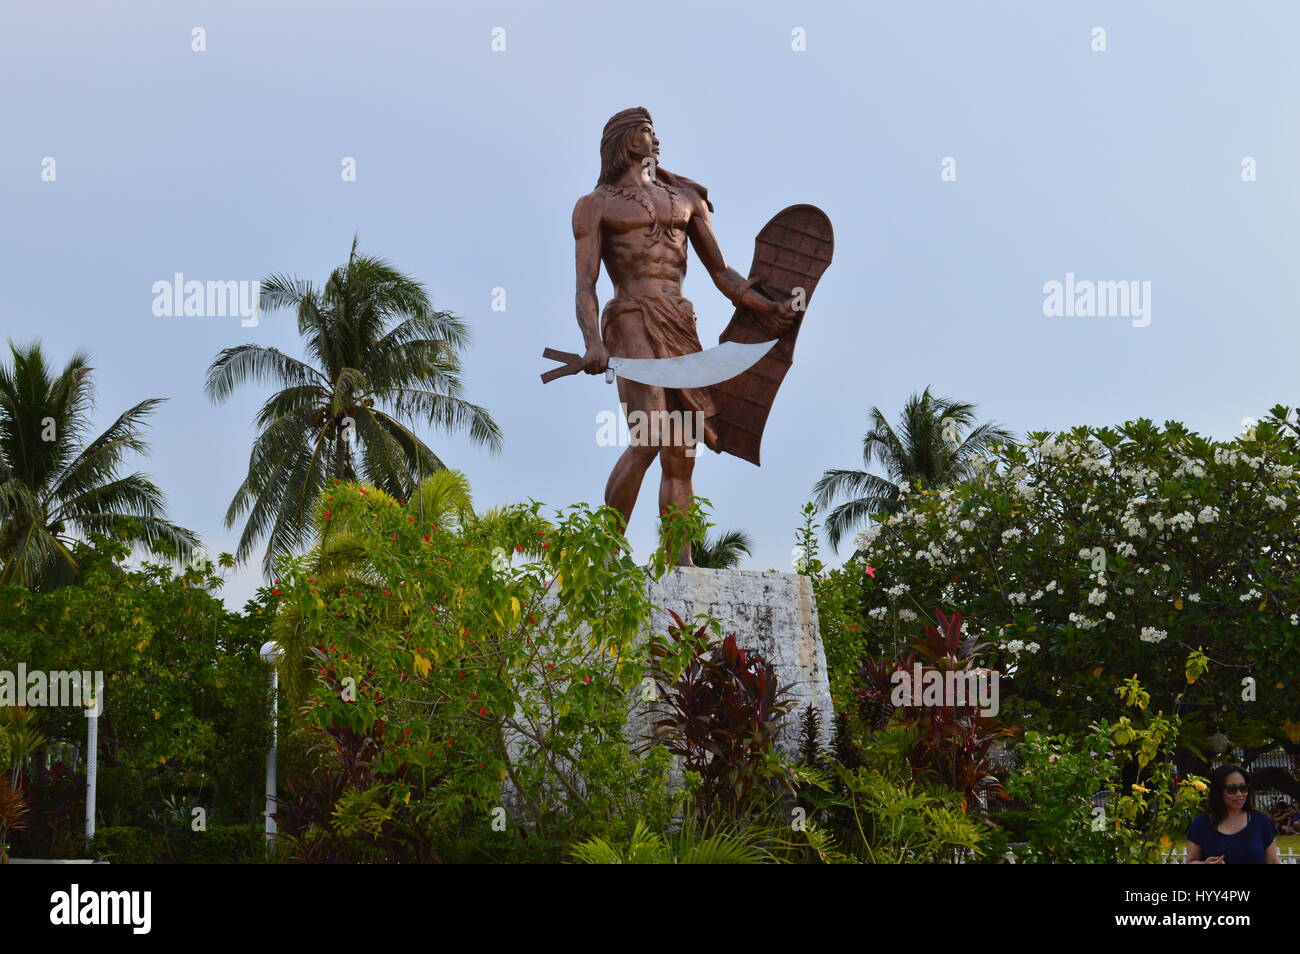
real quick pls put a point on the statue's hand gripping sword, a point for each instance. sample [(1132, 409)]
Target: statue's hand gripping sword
[(697, 370)]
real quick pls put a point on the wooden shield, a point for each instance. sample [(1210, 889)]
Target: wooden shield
[(792, 251)]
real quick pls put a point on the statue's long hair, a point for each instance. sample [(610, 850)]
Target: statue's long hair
[(616, 156)]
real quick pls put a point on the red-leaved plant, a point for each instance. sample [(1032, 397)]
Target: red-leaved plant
[(721, 717), (952, 744)]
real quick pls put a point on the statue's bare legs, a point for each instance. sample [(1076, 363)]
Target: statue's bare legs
[(675, 487)]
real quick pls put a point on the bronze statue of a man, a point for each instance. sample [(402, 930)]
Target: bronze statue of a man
[(637, 221)]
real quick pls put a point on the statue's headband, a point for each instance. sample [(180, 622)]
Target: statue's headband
[(622, 123)]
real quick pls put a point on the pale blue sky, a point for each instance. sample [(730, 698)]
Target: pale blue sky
[(224, 165)]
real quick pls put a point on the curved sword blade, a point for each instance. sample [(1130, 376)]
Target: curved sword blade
[(698, 370)]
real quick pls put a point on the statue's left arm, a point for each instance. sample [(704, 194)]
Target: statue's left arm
[(778, 316)]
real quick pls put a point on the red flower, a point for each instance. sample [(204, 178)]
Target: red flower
[(426, 538), (275, 592), (329, 514), (870, 571), (406, 732), (586, 679), (483, 711), (518, 548)]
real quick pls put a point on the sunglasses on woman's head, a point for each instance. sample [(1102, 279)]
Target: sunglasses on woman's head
[(1234, 789)]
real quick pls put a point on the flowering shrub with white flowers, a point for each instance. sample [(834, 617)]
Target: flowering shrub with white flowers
[(1098, 554)]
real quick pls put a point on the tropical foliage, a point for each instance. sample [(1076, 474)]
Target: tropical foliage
[(722, 551), (1099, 553), (58, 482), (183, 721), (935, 443), (379, 358)]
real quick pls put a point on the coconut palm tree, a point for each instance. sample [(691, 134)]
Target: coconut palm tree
[(56, 484), (722, 552), (935, 443), (378, 356)]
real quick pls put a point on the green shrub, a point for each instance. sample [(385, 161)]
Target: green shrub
[(128, 845)]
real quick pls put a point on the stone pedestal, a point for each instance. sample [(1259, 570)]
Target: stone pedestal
[(773, 614)]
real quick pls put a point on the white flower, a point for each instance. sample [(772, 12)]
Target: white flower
[(1051, 586), (1010, 534), (1133, 526), (1277, 503), (1110, 616), (1097, 597), (1032, 647), (1193, 597), (967, 525), (1126, 549), (1250, 594), (1152, 635), (880, 612), (897, 590), (907, 616), (1208, 514), (1018, 598), (868, 536), (1085, 553)]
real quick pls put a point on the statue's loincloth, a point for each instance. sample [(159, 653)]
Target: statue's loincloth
[(656, 326)]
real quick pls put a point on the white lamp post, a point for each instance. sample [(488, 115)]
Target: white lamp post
[(271, 653), (93, 709)]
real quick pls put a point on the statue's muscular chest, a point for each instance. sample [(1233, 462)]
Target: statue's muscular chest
[(654, 210)]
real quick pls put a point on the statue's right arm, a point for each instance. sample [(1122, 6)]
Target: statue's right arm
[(586, 235)]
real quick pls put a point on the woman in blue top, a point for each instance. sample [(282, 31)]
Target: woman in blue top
[(1230, 831)]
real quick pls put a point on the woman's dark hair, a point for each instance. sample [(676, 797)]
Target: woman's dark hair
[(1214, 800)]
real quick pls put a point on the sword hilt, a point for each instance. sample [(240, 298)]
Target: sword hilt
[(571, 364)]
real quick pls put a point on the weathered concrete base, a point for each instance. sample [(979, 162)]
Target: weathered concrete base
[(773, 614)]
